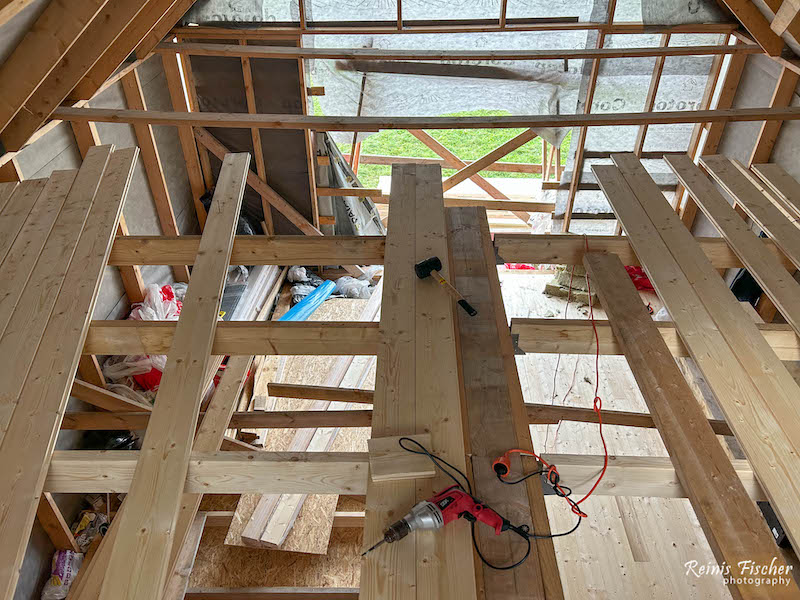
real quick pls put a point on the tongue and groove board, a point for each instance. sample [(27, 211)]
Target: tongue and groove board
[(755, 391), (417, 391), (734, 526), (138, 561), (496, 417), (65, 294)]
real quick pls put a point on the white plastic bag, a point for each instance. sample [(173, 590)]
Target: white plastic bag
[(296, 274), (350, 287), (160, 304), (63, 570)]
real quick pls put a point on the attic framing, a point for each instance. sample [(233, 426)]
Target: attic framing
[(186, 453)]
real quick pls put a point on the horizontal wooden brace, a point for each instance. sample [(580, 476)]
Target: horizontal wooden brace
[(90, 471), (239, 338), (502, 167), (538, 414), (576, 336), (293, 250), (488, 203), (411, 26), (569, 249), (319, 392), (240, 51), (280, 250), (646, 476), (346, 123)]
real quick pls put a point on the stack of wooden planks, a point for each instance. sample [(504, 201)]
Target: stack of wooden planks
[(753, 387), (55, 240)]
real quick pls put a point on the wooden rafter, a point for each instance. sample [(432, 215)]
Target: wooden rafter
[(48, 40), (132, 87), (102, 34), (730, 83), (255, 134), (756, 24), (179, 97)]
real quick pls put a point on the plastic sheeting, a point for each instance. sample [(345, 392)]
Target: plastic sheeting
[(504, 87)]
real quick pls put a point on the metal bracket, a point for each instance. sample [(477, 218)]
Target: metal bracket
[(515, 341)]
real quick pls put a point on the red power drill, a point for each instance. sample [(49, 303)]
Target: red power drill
[(446, 506)]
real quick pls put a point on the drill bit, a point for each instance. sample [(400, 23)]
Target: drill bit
[(374, 546)]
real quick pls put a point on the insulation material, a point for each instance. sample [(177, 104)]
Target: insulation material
[(354, 215)]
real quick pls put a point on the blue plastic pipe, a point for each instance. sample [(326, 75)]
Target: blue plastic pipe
[(308, 305)]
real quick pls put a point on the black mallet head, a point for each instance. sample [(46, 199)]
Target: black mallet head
[(424, 268)]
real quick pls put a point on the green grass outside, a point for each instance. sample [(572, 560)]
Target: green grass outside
[(467, 144)]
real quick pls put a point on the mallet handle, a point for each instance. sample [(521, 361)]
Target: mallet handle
[(462, 302)]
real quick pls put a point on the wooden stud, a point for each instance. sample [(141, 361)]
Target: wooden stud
[(650, 99), (580, 148), (730, 84), (134, 96)]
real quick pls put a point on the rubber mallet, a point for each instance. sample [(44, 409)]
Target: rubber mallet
[(430, 267)]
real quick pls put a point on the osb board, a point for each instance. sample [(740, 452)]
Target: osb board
[(222, 565), (312, 529)]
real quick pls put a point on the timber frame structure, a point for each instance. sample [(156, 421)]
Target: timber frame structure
[(440, 373)]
